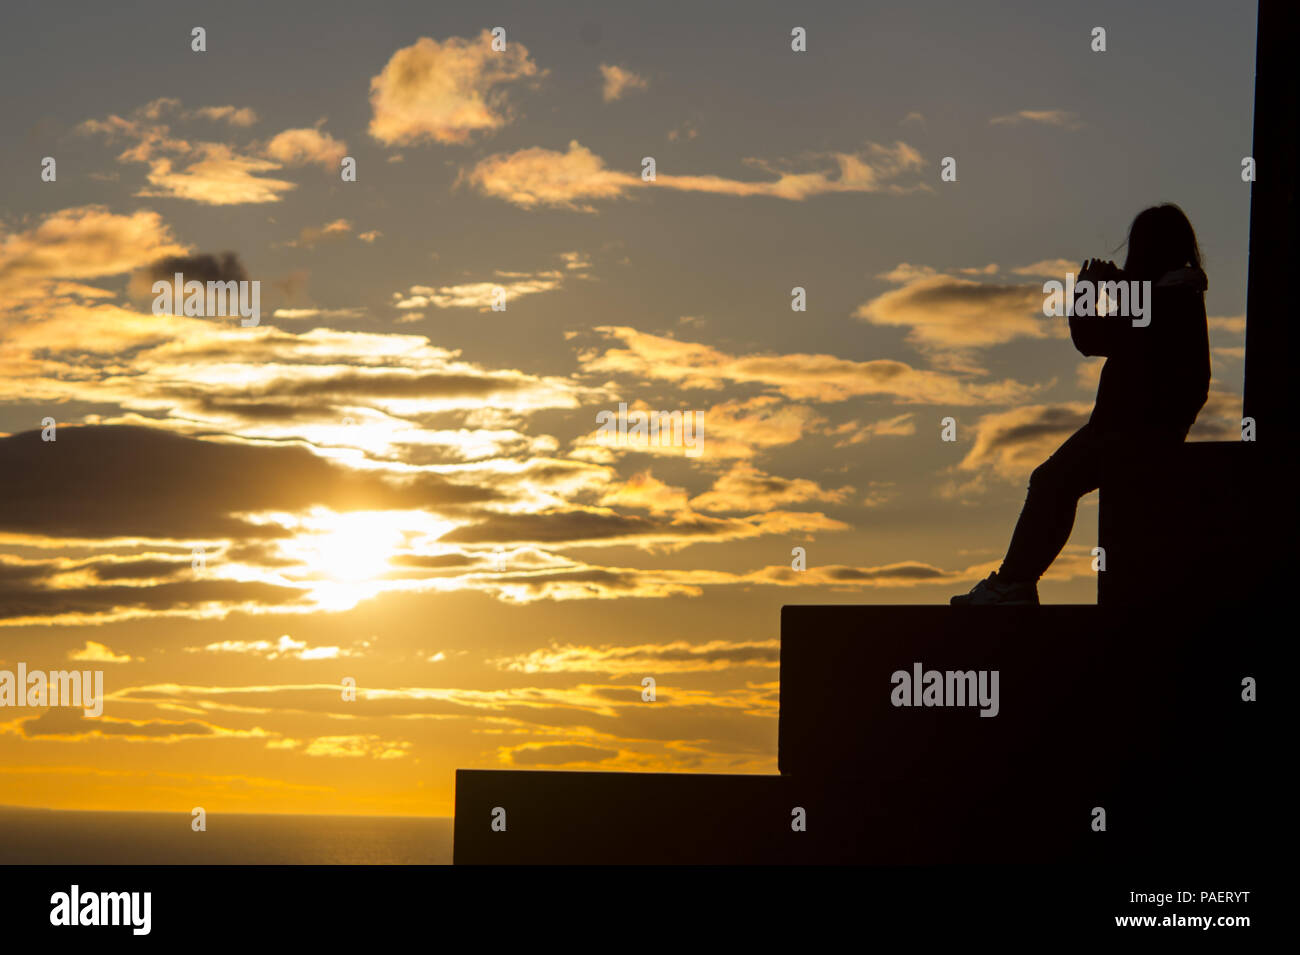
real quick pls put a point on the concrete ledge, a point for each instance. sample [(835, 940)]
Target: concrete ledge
[(1086, 694)]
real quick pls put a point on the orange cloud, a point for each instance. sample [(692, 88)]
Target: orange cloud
[(83, 242), (311, 235), (943, 312), (98, 653), (295, 147), (618, 81), (573, 179), (208, 172), (797, 376), (446, 92), (221, 178), (745, 488), (1047, 117), (645, 491), (1012, 443), (853, 432), (232, 115), (677, 656)]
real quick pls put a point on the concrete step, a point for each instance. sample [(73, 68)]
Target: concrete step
[(1085, 694), (1212, 521), (582, 818), (1136, 712), (622, 818)]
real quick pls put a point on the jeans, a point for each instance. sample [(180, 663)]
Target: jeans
[(1075, 469)]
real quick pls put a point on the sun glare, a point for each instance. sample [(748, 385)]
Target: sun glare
[(353, 548)]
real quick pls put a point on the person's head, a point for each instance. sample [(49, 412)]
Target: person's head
[(1160, 240)]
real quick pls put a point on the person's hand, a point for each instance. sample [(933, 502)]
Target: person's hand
[(1099, 270), (1107, 271)]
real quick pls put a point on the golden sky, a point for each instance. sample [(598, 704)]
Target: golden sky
[(390, 482)]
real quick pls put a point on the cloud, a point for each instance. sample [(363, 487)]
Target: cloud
[(144, 127), (943, 311), (1049, 268), (313, 235), (574, 179), (644, 491), (618, 81), (853, 432), (155, 110), (588, 582), (602, 527), (1219, 419), (479, 295), (686, 131), (284, 647), (211, 173), (556, 754), (739, 428), (118, 481), (82, 242), (677, 656), (232, 115), (357, 747), (447, 92), (745, 488), (200, 267), (193, 375), (1012, 443), (537, 176), (482, 295), (98, 653), (798, 376), (879, 492), (220, 178), (38, 593), (296, 147), (1233, 325), (145, 569), (73, 724), (1087, 374), (322, 313), (371, 236), (1048, 117)]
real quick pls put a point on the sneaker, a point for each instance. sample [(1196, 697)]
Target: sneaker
[(991, 591)]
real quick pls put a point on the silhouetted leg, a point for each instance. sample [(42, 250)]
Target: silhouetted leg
[(1054, 491)]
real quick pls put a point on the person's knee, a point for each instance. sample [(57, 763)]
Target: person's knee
[(1055, 481), (1045, 477)]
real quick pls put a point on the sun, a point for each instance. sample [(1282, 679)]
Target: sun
[(342, 558), (353, 548)]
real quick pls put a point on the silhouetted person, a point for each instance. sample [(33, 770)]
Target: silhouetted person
[(1154, 382)]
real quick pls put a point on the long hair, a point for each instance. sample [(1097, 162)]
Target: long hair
[(1160, 240)]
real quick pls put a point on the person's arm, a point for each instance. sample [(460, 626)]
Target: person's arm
[(1097, 335)]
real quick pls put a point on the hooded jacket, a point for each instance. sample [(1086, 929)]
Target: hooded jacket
[(1156, 378)]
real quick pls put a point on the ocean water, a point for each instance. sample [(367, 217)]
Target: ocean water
[(63, 837)]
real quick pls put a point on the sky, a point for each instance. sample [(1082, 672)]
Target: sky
[(386, 480)]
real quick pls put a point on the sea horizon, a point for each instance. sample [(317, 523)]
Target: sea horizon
[(43, 836)]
